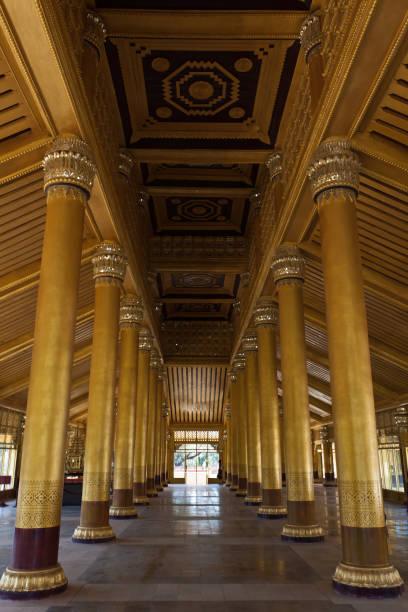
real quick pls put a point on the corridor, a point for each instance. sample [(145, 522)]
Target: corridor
[(202, 549)]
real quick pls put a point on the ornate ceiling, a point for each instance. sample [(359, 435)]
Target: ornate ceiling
[(200, 98)]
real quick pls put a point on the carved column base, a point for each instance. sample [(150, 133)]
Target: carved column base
[(26, 584), (122, 512), (234, 487), (152, 493), (93, 535), (381, 582), (302, 533), (141, 501), (241, 492), (272, 512), (159, 488), (253, 500)]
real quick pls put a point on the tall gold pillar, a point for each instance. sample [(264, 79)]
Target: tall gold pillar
[(130, 320), (142, 405), (164, 415), (109, 271), (234, 430), (364, 568), (151, 422), (266, 319), (311, 39), (157, 438), (327, 457), (227, 411), (34, 570), (239, 367), (288, 272), (250, 348)]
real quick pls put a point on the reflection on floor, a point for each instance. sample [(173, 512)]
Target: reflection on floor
[(201, 549)]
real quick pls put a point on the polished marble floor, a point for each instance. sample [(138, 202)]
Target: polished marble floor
[(202, 549)]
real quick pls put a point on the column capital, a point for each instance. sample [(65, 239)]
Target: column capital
[(69, 161), (288, 265), (164, 411), (274, 164), (239, 361), (244, 276), (125, 163), (154, 360), (109, 261), (250, 342), (145, 340), (142, 198), (334, 166), (256, 199), (227, 410), (310, 33), (232, 375), (266, 313), (236, 307), (95, 31), (131, 311)]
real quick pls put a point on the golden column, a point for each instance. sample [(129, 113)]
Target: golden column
[(142, 404), (311, 39), (109, 271), (288, 271), (157, 438), (239, 368), (151, 422), (364, 568), (227, 411), (327, 457), (164, 415), (266, 319), (250, 348), (130, 320), (234, 430), (34, 571)]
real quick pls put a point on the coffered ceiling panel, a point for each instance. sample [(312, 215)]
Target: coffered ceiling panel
[(199, 213), (212, 89)]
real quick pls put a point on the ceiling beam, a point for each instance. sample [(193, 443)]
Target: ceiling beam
[(201, 156), (197, 300), (234, 265), (26, 341), (376, 347), (373, 281), (22, 383), (28, 276)]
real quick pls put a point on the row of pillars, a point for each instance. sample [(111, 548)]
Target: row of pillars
[(364, 568), (254, 450), (140, 440)]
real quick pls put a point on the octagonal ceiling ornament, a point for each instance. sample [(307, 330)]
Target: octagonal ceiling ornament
[(202, 89)]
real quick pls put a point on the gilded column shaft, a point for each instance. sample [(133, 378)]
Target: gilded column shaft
[(131, 317), (266, 318), (365, 567), (250, 347), (109, 271), (227, 411), (242, 427), (234, 432), (35, 571), (164, 415), (151, 424), (288, 270), (142, 404), (157, 440)]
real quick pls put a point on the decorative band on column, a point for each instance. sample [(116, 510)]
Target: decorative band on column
[(310, 34), (131, 311), (334, 166), (69, 162), (288, 265)]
